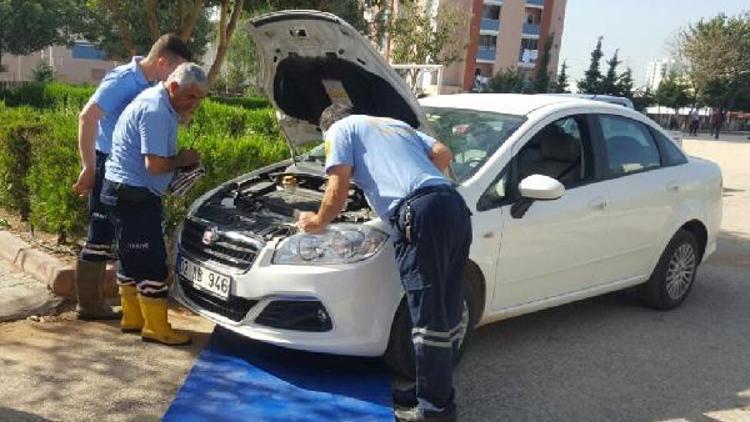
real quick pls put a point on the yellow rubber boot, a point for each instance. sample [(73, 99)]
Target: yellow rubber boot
[(132, 318), (157, 329)]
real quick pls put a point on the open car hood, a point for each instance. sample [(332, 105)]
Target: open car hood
[(310, 59)]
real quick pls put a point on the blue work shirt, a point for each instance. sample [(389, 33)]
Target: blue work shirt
[(389, 158), (147, 126), (115, 92)]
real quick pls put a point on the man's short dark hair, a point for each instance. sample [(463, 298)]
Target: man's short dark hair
[(171, 47), (332, 114)]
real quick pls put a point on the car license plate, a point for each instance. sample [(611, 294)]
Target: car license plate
[(205, 279)]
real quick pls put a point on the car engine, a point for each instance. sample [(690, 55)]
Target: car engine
[(264, 205)]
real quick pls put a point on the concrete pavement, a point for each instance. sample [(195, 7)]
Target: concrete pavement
[(21, 295)]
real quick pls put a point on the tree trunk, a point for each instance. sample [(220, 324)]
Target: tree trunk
[(122, 27), (153, 24), (226, 29), (187, 26)]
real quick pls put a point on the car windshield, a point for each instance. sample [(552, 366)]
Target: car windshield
[(473, 136)]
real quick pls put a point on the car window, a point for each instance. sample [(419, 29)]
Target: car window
[(630, 147), (472, 135), (559, 151), (670, 153)]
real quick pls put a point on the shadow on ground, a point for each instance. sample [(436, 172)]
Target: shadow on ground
[(74, 370), (610, 358)]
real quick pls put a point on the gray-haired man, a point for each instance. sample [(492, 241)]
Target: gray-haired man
[(142, 163)]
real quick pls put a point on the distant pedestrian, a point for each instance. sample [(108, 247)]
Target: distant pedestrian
[(694, 122), (717, 120), (673, 123)]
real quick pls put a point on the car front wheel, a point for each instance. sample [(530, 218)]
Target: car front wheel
[(399, 357), (674, 275)]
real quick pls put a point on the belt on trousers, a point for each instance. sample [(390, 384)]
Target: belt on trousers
[(134, 193), (406, 202)]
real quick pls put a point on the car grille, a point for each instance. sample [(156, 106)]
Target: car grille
[(234, 308), (230, 252)]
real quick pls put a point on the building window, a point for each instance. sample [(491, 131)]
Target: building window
[(533, 16), (491, 12), (487, 42), (530, 43)]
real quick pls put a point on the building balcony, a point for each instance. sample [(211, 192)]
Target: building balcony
[(486, 54), (532, 29), (489, 25), (528, 57), (537, 3)]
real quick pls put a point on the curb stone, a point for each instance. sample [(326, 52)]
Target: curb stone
[(57, 275)]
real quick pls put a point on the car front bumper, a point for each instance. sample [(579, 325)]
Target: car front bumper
[(359, 298)]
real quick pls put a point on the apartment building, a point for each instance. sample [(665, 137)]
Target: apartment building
[(506, 34)]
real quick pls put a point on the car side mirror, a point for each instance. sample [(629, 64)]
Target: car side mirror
[(536, 188), (541, 188)]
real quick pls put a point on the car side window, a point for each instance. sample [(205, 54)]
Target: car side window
[(630, 147), (670, 153), (559, 150)]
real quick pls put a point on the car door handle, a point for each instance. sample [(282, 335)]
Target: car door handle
[(673, 187), (598, 204)]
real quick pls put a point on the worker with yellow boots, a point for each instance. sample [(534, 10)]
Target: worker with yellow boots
[(96, 124), (141, 166)]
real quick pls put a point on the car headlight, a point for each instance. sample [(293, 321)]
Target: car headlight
[(340, 244)]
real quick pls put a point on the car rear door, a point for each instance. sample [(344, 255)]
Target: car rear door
[(643, 192)]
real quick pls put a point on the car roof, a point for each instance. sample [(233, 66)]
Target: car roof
[(518, 104)]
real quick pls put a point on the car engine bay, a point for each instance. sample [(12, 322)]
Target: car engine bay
[(264, 205)]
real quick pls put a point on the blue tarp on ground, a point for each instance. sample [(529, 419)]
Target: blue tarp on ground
[(243, 380)]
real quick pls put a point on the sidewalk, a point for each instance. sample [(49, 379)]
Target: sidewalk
[(22, 296)]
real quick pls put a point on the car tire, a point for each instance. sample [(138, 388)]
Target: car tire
[(674, 275), (399, 356)]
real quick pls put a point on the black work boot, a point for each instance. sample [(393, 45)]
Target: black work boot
[(416, 414), (88, 279), (404, 397)]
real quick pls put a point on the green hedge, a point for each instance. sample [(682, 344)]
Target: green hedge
[(249, 103), (48, 96), (39, 159), (56, 95)]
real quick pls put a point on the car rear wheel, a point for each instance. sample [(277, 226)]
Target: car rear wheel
[(674, 275), (399, 357)]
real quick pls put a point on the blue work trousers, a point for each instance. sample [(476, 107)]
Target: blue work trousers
[(101, 232), (432, 229)]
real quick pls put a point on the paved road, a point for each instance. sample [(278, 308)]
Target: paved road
[(604, 359)]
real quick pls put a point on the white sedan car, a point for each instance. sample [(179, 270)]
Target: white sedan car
[(571, 198)]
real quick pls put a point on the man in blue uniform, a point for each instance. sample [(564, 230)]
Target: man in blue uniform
[(96, 123), (142, 164), (400, 171)]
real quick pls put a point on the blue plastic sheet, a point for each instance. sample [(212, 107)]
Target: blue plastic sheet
[(237, 379)]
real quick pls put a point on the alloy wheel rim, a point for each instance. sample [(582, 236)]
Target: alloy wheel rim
[(680, 271)]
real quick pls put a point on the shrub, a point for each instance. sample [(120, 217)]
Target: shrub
[(39, 156), (55, 207), (249, 103), (48, 96), (16, 128)]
